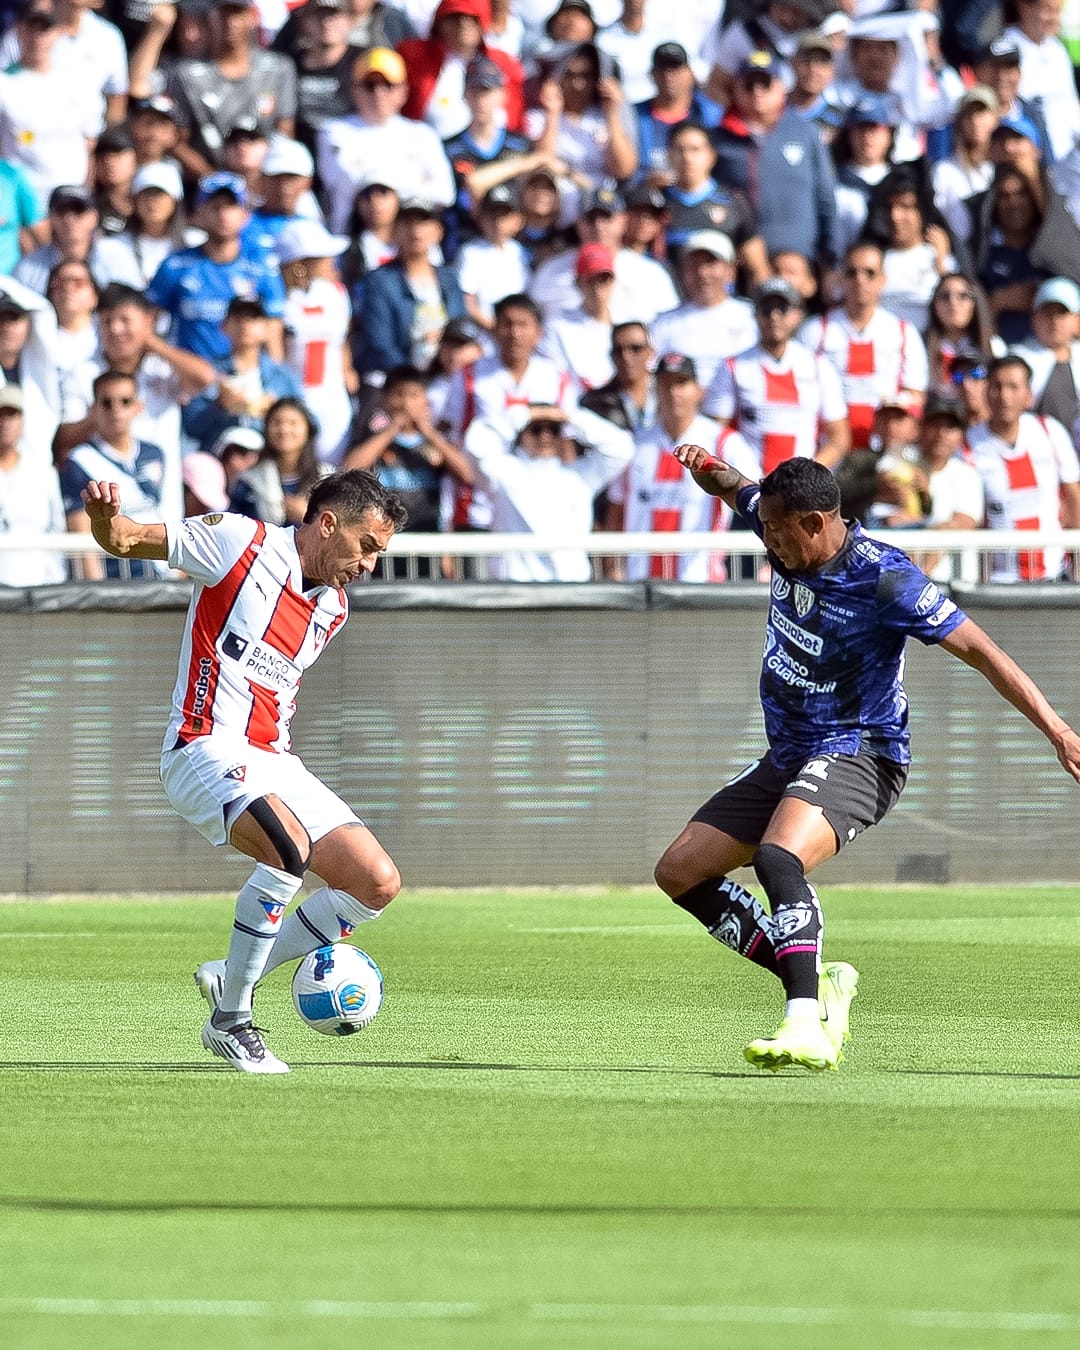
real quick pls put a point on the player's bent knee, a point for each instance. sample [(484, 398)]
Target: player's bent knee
[(294, 853), (384, 883), (669, 876)]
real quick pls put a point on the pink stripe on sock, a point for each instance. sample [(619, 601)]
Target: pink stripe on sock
[(788, 951)]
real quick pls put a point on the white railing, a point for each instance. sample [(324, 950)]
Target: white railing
[(466, 555)]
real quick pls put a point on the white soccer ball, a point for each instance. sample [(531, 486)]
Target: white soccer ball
[(337, 990)]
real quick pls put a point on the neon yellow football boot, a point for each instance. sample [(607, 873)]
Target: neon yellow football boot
[(800, 1042), (837, 986)]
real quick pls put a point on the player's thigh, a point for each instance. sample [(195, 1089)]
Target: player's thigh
[(349, 858)]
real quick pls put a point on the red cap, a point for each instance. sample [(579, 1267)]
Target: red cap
[(593, 260)]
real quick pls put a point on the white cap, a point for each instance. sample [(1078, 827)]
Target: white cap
[(162, 175), (245, 437), (709, 241), (308, 239), (285, 156)]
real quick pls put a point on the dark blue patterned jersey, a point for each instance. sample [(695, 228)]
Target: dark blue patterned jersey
[(833, 666)]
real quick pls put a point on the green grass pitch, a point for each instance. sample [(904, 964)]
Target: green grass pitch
[(548, 1137)]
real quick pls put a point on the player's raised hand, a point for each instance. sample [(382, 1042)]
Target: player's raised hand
[(101, 500), (696, 458)]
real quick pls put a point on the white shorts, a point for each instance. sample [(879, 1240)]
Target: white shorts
[(213, 773)]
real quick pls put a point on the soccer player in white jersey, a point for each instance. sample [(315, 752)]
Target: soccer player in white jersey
[(266, 601)]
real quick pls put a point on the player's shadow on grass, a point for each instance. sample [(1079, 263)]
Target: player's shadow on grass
[(462, 1066)]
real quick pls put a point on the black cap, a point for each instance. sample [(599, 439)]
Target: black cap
[(582, 5), (71, 197), (606, 199), (161, 104), (462, 330), (9, 305), (247, 129), (645, 198), (671, 55), (416, 206), (777, 290), (499, 198), (1002, 50), (674, 363), (943, 405)]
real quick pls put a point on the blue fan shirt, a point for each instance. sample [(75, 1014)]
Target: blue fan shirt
[(833, 666), (195, 292)]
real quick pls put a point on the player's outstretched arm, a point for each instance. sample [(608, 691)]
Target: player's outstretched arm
[(977, 649), (119, 534), (712, 475)]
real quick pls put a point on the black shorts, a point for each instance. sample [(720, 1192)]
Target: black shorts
[(853, 791)]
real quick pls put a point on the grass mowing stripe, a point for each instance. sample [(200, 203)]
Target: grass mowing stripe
[(937, 1319)]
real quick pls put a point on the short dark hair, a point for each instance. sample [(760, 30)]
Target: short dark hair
[(352, 493), (116, 294), (1007, 362), (111, 376), (679, 127), (399, 375), (802, 485), (519, 301)]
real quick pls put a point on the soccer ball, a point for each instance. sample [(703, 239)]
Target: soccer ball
[(337, 990)]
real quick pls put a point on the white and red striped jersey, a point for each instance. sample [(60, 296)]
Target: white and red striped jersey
[(777, 405), (1023, 483), (486, 391), (316, 330), (874, 362), (251, 631), (658, 494)]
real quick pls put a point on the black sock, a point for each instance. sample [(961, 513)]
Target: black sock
[(795, 924), (733, 917)]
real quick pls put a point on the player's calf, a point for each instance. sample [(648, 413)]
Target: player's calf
[(733, 917)]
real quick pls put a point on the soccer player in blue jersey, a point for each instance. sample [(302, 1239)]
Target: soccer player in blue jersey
[(841, 608)]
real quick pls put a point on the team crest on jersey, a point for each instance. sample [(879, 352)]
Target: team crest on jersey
[(215, 519), (718, 214), (793, 153), (804, 599), (237, 773), (781, 587), (319, 633)]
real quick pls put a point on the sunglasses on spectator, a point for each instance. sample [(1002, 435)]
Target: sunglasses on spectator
[(121, 401), (975, 373)]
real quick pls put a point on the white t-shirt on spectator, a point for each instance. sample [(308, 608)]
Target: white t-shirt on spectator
[(953, 184), (643, 288), (31, 505), (582, 345), (633, 52), (93, 60), (1046, 74), (706, 333), (911, 275), (46, 120), (489, 272)]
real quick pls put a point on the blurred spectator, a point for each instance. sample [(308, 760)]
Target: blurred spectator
[(892, 460), (583, 119), (779, 161), (249, 379), (317, 319), (113, 170), (774, 30), (795, 268), (27, 359), (496, 264), (543, 235), (284, 192), (813, 66), (643, 287), (460, 345), (786, 399), (277, 487), (195, 285), (74, 296), (156, 226), (998, 67), (204, 484), (579, 342), (657, 494), (73, 221), (153, 123), (237, 79), (646, 216), (677, 99), (47, 119), (877, 355), (1053, 350), (237, 448), (246, 144), (113, 452), (917, 247), (696, 202), (21, 228), (407, 302), (959, 320), (710, 325), (374, 139), (371, 24), (370, 231), (629, 397), (485, 155), (403, 447), (862, 151), (437, 65), (89, 52), (968, 375), (969, 169), (165, 377), (540, 483), (1006, 229), (1046, 71), (505, 30), (630, 42), (1029, 473), (30, 501), (320, 46)]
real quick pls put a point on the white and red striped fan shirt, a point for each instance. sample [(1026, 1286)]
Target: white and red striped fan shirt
[(251, 630), (874, 362), (777, 405), (658, 495), (487, 392), (316, 330), (1022, 483)]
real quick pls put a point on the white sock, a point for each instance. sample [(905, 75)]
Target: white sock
[(259, 908), (321, 918), (802, 1008)]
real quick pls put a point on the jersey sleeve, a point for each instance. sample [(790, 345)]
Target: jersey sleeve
[(1068, 466), (910, 603), (746, 505), (206, 547)]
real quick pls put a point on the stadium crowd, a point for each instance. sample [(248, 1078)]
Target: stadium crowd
[(508, 253)]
